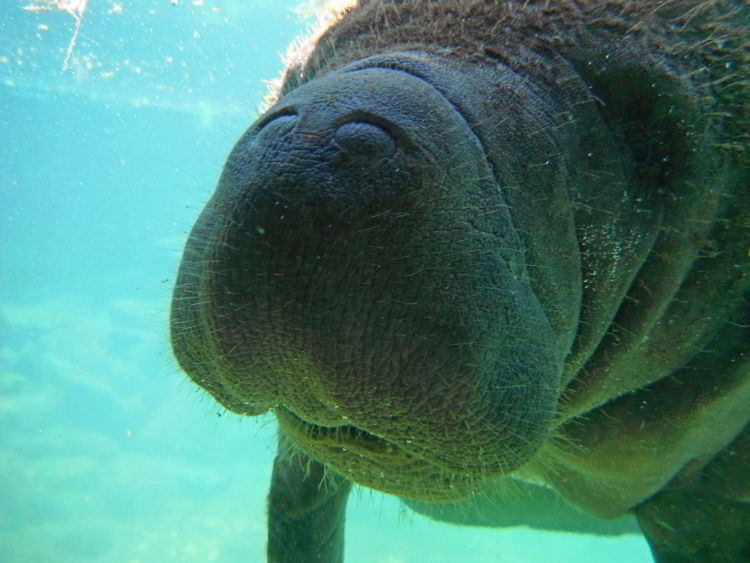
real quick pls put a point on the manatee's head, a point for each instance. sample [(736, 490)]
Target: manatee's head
[(358, 273)]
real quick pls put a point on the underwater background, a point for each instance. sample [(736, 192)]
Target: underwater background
[(107, 451)]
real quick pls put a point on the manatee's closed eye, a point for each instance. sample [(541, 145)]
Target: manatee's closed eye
[(654, 117)]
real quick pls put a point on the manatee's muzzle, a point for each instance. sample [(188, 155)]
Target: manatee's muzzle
[(342, 273)]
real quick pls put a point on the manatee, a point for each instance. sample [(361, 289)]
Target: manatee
[(493, 257)]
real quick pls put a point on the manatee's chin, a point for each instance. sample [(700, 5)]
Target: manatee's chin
[(377, 463)]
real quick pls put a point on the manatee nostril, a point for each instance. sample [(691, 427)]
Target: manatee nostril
[(283, 121), (278, 125), (361, 142)]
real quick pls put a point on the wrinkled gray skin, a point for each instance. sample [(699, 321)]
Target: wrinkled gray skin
[(490, 256)]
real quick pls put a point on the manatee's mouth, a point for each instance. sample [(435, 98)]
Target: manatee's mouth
[(346, 437), (375, 462)]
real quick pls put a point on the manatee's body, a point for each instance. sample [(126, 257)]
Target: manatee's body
[(478, 243)]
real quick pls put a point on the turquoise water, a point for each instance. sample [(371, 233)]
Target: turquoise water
[(107, 452)]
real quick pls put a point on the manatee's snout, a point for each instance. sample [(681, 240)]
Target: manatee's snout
[(311, 188), (343, 275)]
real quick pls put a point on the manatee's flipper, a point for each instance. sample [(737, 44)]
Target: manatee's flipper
[(306, 510), (708, 519)]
